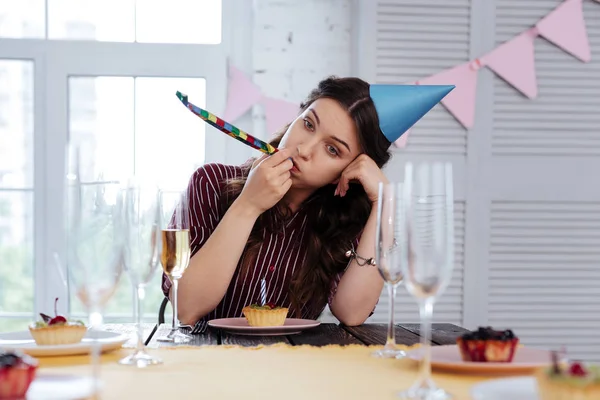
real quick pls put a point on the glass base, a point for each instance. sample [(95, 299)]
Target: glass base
[(425, 391), (389, 352), (140, 359), (176, 337), (180, 335)]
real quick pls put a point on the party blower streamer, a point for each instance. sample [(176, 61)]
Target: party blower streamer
[(226, 127)]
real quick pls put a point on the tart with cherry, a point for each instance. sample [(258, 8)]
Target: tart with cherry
[(56, 330)]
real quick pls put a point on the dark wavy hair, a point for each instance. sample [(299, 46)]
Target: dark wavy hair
[(333, 222)]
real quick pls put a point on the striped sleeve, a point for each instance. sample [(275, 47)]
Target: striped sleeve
[(203, 193)]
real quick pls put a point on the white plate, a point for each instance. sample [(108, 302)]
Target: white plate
[(23, 341), (448, 358), (240, 326), (524, 388), (63, 387)]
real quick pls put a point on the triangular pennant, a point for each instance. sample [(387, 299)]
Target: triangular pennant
[(565, 27), (242, 94), (514, 61), (402, 140), (278, 113), (461, 101)]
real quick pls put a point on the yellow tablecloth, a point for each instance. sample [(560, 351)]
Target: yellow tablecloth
[(274, 372)]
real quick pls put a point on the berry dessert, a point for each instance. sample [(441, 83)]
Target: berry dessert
[(56, 330), (267, 315), (488, 345), (573, 381), (16, 374)]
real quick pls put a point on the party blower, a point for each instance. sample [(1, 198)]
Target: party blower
[(398, 107), (226, 127)]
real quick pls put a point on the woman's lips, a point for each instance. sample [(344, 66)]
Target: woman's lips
[(295, 167)]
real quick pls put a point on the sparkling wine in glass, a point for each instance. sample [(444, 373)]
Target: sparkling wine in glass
[(142, 220), (428, 255), (175, 253), (387, 256)]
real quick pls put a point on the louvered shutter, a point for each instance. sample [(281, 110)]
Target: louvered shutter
[(528, 191), (402, 41), (544, 249), (415, 39)]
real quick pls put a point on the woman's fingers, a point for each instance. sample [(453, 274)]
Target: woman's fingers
[(259, 160), (277, 158)]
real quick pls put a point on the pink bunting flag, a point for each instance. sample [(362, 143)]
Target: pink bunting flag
[(242, 94), (514, 61), (461, 101), (565, 27), (402, 140), (279, 113)]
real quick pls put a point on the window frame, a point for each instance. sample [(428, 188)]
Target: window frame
[(57, 60)]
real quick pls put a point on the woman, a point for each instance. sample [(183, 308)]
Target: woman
[(303, 219)]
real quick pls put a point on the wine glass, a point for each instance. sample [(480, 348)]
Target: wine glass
[(428, 255), (95, 243), (142, 220), (387, 257), (175, 249)]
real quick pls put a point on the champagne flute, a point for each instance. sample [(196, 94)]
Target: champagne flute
[(387, 256), (175, 252), (428, 255), (95, 251), (142, 218)]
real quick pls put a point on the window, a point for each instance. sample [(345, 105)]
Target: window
[(148, 21), (118, 100), (22, 19), (128, 126), (16, 193)]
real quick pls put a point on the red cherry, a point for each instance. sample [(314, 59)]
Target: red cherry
[(58, 320), (271, 305), (577, 369)]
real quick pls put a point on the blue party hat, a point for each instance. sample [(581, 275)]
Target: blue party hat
[(399, 107)]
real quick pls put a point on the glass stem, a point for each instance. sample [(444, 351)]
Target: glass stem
[(391, 333), (174, 300), (96, 322), (425, 311), (141, 293)]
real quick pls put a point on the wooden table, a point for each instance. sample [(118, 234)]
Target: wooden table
[(324, 334)]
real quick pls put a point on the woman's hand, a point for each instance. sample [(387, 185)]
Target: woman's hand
[(268, 181), (364, 170)]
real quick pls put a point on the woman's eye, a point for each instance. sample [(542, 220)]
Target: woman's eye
[(308, 125), (332, 150)]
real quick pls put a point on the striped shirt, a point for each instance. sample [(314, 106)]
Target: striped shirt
[(280, 253)]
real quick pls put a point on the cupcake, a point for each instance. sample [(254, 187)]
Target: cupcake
[(56, 330), (574, 381), (267, 315), (488, 345), (17, 371)]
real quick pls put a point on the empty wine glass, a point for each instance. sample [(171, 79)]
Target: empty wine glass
[(387, 256), (95, 243), (175, 249), (142, 220), (427, 255)]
